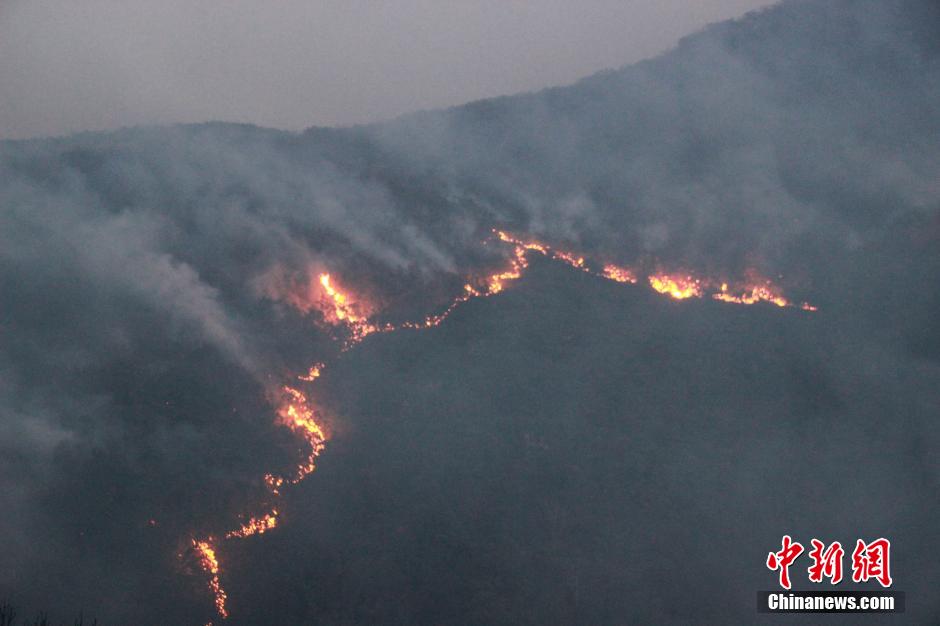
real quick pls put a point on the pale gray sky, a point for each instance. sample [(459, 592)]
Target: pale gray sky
[(68, 65)]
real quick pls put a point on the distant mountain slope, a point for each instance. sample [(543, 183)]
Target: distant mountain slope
[(145, 311)]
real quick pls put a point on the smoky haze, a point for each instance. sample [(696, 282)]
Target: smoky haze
[(570, 450), (67, 67)]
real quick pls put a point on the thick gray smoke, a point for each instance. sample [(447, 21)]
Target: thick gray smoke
[(143, 318)]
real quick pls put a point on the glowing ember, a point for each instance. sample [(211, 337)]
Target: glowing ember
[(533, 246), (255, 526), (618, 274), (497, 282), (752, 294), (346, 313), (676, 286), (435, 320), (572, 260), (339, 308), (210, 564), (274, 483), (297, 415), (313, 373), (522, 247)]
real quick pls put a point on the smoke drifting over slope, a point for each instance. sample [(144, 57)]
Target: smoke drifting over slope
[(560, 450)]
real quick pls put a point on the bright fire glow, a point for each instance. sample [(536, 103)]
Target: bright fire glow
[(210, 564), (676, 286), (342, 308), (619, 274), (297, 414), (313, 373), (345, 312), (752, 294), (274, 483), (255, 526)]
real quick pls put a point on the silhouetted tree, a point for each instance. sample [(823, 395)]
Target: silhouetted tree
[(8, 617), (7, 614)]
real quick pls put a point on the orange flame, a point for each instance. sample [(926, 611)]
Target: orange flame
[(297, 415), (676, 286), (618, 274), (255, 526), (313, 373), (752, 294), (435, 320), (210, 564), (523, 246), (497, 282), (574, 261), (491, 284), (274, 483), (346, 313), (533, 246), (340, 309)]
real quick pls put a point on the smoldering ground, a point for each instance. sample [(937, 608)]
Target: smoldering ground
[(566, 451)]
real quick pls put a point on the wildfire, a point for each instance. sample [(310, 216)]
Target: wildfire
[(752, 295), (313, 373), (519, 243), (274, 483), (435, 320), (342, 309), (346, 313), (676, 286), (497, 282), (752, 291), (522, 247), (210, 564), (255, 526), (297, 415), (574, 261), (618, 274)]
